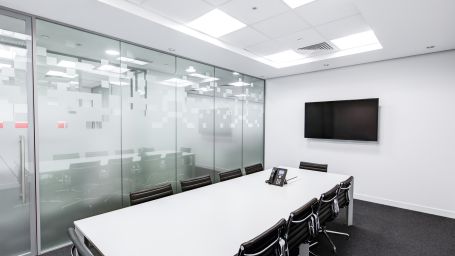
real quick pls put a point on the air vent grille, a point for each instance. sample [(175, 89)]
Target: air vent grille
[(324, 46)]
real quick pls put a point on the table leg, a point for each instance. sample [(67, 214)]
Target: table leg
[(350, 208)]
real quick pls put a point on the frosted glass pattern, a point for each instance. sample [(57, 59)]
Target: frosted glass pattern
[(80, 79), (15, 171)]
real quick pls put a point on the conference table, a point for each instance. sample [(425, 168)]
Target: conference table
[(208, 221)]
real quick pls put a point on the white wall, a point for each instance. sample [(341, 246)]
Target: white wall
[(412, 165)]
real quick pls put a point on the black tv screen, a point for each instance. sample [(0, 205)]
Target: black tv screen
[(342, 120)]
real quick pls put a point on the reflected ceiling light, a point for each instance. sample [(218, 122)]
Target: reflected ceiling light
[(239, 83), (216, 23), (119, 83), (5, 54), (203, 89), (240, 95), (177, 82), (60, 74), (133, 61), (74, 82), (112, 52), (15, 35), (205, 78), (284, 56), (190, 69), (296, 3), (4, 65), (112, 69), (356, 40), (235, 73), (67, 64)]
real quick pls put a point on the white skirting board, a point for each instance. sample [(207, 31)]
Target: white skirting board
[(404, 205)]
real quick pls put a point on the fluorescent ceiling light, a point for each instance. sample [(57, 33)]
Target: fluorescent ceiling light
[(74, 82), (356, 40), (203, 89), (134, 61), (190, 69), (296, 3), (177, 82), (15, 35), (239, 83), (240, 95), (4, 65), (216, 23), (284, 56), (60, 74), (235, 73), (112, 52), (112, 69)]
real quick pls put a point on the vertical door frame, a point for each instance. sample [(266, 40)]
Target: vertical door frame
[(31, 143)]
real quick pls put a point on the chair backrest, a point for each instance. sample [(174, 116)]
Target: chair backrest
[(328, 208), (253, 168), (151, 194), (301, 226), (197, 182), (96, 153), (269, 243), (313, 166), (66, 156), (79, 247), (344, 195), (230, 174)]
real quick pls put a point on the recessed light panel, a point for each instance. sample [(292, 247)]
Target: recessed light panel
[(112, 52), (296, 3), (284, 56), (177, 82), (56, 73), (356, 40), (112, 69), (216, 23)]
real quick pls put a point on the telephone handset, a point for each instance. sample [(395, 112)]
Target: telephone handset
[(277, 176)]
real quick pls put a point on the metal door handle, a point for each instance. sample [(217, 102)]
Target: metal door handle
[(22, 166)]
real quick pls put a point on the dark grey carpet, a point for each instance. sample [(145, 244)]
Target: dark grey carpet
[(383, 231)]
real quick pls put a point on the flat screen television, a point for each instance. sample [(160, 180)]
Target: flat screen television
[(342, 120)]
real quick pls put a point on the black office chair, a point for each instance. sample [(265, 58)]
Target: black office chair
[(327, 211), (78, 248), (301, 227), (230, 175), (269, 243), (194, 183), (253, 168), (313, 166), (344, 198), (151, 194)]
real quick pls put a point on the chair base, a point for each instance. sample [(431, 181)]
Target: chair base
[(338, 233), (334, 248)]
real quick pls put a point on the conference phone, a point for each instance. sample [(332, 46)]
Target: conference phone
[(277, 176)]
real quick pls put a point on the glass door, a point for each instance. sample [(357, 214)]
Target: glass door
[(16, 134)]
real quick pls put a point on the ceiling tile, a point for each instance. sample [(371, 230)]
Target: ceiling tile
[(343, 27), (267, 48), (216, 2), (178, 10), (244, 37), (301, 39), (324, 11), (281, 25), (243, 9)]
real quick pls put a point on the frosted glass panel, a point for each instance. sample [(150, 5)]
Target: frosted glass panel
[(195, 119), (148, 122), (228, 121), (15, 171), (80, 80), (253, 124)]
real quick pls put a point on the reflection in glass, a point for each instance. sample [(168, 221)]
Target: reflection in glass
[(80, 78), (195, 114)]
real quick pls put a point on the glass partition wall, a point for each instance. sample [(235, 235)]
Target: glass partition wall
[(114, 118)]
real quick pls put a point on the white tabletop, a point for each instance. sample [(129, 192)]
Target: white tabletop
[(64, 164), (208, 221)]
